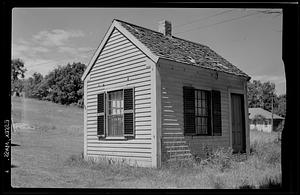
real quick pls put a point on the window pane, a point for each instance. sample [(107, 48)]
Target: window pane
[(204, 95), (199, 121), (204, 129), (114, 103), (204, 121), (198, 129), (199, 94)]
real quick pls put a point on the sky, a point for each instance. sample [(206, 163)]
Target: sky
[(248, 38)]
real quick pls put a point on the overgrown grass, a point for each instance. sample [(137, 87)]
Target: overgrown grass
[(221, 169)]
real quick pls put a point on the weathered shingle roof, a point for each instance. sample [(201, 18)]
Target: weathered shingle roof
[(264, 113), (181, 50)]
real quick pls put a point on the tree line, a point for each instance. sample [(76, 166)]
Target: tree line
[(262, 94), (63, 85)]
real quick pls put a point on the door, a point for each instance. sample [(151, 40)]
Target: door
[(238, 123)]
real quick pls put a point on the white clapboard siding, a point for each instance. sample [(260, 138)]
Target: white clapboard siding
[(119, 153), (115, 71), (145, 162), (121, 64), (174, 77)]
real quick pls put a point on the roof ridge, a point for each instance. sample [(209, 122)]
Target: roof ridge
[(160, 32), (138, 26)]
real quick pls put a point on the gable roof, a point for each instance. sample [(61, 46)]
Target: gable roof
[(264, 113), (155, 45)]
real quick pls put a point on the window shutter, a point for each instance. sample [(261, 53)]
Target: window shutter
[(101, 115), (209, 128), (129, 112), (216, 112), (189, 110)]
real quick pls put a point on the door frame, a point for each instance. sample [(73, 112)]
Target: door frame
[(246, 116)]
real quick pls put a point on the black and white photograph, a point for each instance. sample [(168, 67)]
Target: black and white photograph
[(149, 98)]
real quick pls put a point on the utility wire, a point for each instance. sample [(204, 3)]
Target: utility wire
[(193, 21), (224, 21)]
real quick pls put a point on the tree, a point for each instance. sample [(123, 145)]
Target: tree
[(254, 94), (261, 94), (280, 109), (17, 70), (62, 85), (268, 93), (65, 85), (32, 85)]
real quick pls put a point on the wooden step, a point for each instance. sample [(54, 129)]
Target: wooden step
[(172, 133), (175, 147), (178, 151), (172, 137), (180, 156)]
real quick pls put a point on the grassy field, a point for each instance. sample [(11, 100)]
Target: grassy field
[(48, 153)]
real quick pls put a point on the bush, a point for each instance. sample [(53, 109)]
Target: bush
[(269, 152), (179, 164), (221, 159)]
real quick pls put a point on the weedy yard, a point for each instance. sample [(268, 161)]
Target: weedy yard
[(47, 147)]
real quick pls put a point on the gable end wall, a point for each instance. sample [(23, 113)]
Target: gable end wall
[(120, 64)]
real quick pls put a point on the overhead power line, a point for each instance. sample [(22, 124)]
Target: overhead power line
[(207, 17), (224, 21)]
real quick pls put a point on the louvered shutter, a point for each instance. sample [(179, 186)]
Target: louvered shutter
[(216, 112), (101, 115), (189, 110), (209, 125), (129, 112)]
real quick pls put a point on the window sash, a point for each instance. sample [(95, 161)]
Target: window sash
[(115, 113), (202, 118)]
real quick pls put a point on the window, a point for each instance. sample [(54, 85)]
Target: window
[(202, 112), (115, 113)]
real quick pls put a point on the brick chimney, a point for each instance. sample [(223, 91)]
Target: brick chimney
[(165, 28)]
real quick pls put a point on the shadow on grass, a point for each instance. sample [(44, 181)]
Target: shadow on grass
[(14, 145), (247, 187), (13, 166), (269, 185)]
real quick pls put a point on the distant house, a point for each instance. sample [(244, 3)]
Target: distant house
[(151, 97), (261, 120)]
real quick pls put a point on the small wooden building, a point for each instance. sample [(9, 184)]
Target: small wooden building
[(261, 120), (150, 97)]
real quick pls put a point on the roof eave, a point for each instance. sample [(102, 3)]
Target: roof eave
[(239, 75)]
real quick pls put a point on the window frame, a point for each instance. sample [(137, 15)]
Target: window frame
[(215, 111), (209, 112), (124, 136), (107, 114)]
